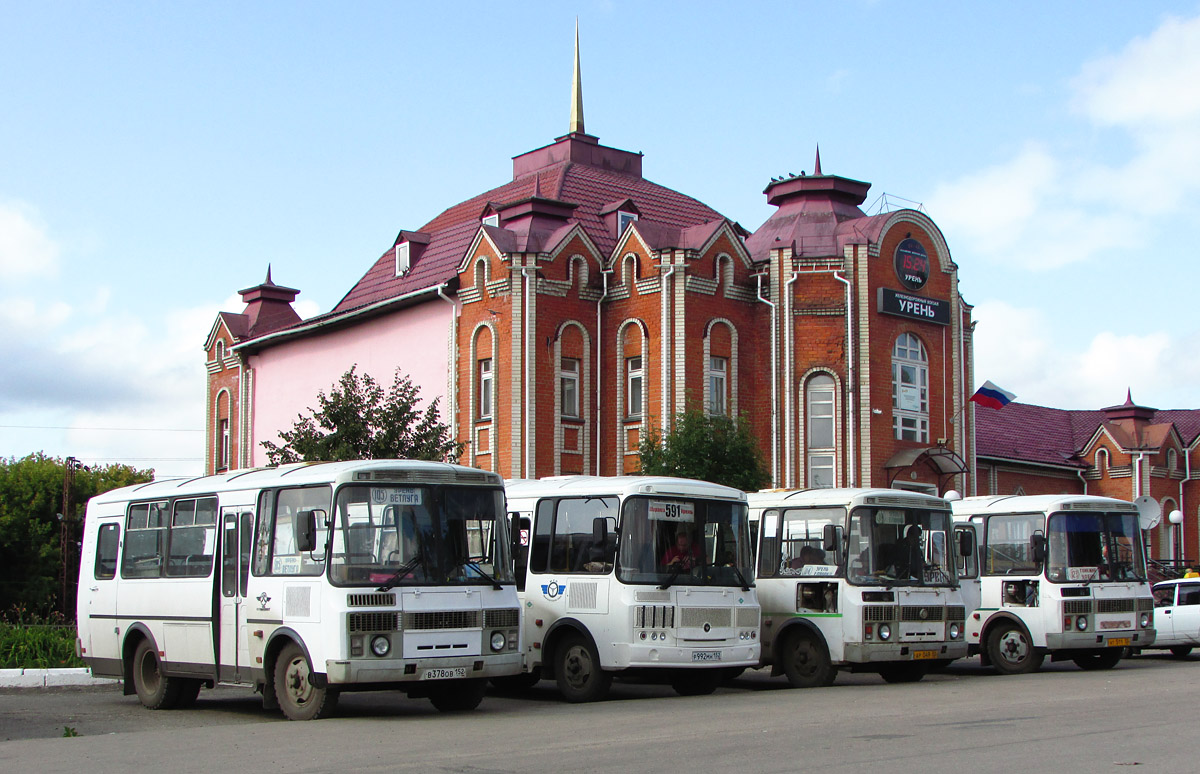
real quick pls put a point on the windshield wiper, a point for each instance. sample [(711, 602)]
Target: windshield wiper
[(671, 578), (742, 578), (400, 572), (475, 566)]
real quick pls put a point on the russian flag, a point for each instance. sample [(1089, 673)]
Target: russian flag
[(992, 396)]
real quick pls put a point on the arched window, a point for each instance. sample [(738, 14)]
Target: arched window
[(1172, 460), (222, 441), (910, 389), (820, 435), (220, 351), (1102, 461), (481, 268)]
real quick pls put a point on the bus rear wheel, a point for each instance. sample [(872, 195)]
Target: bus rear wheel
[(1100, 659), (903, 672), (154, 689), (696, 682), (1011, 651), (458, 695), (806, 661), (578, 673), (294, 690)]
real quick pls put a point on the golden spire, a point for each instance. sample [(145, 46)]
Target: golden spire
[(577, 90)]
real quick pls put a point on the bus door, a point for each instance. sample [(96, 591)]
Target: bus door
[(101, 593), (237, 532)]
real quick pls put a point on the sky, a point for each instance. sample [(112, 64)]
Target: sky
[(155, 158)]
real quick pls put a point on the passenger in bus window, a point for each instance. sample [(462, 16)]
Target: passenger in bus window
[(684, 554)]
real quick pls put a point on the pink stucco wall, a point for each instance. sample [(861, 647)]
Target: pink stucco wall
[(288, 377)]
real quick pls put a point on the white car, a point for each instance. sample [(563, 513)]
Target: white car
[(1177, 615)]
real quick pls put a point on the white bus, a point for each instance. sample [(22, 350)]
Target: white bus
[(857, 579), (303, 581), (1063, 575), (633, 574)]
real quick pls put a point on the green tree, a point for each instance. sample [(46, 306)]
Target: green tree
[(720, 449), (31, 499), (358, 420)]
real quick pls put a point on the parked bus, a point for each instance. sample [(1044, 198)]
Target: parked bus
[(632, 575), (303, 581), (856, 579), (1059, 575)]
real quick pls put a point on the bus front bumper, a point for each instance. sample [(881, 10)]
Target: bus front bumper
[(1142, 638), (690, 656), (385, 670), (867, 652)]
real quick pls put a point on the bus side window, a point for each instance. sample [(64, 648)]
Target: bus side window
[(520, 528), (107, 541)]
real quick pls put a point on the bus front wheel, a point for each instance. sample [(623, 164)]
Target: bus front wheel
[(806, 661), (1181, 651), (1100, 659), (1011, 651), (696, 682), (578, 673), (154, 689), (903, 672), (298, 697)]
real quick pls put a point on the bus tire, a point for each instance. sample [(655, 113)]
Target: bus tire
[(806, 660), (517, 684), (903, 672), (1181, 651), (696, 682), (154, 689), (1011, 651), (458, 695), (297, 696), (1099, 659), (577, 671)]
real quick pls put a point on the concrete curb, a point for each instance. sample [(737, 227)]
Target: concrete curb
[(50, 678)]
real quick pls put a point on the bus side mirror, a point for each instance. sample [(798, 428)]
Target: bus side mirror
[(1037, 547), (600, 532), (966, 546), (830, 538), (304, 524)]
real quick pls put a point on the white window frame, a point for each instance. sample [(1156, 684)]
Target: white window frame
[(624, 219), (718, 381), (910, 396), (634, 375), (568, 387), (403, 259), (821, 393), (483, 372)]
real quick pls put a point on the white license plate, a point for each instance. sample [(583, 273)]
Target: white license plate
[(444, 673), (706, 655)]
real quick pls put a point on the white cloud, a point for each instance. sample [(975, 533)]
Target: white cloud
[(1014, 349), (26, 250), (1057, 206)]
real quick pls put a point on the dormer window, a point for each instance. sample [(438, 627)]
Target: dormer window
[(492, 220), (624, 219), (403, 259)]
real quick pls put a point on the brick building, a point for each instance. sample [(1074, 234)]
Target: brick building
[(1124, 451), (562, 315)]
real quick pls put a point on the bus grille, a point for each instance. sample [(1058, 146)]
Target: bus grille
[(1077, 607), (442, 619), (373, 622), (654, 616), (698, 616), (922, 613), (956, 613), (1114, 605), (879, 612), (1144, 604), (371, 600), (501, 618), (747, 617)]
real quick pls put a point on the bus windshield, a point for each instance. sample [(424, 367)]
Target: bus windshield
[(387, 536), (1083, 547), (671, 540), (892, 546)]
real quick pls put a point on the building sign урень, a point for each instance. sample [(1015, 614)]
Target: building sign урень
[(932, 310), (911, 263)]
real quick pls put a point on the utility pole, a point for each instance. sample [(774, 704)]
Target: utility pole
[(68, 549)]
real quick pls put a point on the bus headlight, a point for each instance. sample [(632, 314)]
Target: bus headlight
[(1145, 620), (1081, 623), (498, 641), (381, 645), (885, 632), (955, 631)]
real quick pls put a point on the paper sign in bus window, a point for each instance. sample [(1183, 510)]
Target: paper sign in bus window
[(671, 511), (395, 495)]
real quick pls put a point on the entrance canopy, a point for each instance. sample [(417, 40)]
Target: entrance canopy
[(944, 462)]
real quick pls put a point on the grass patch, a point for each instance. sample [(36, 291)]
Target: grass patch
[(30, 641)]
